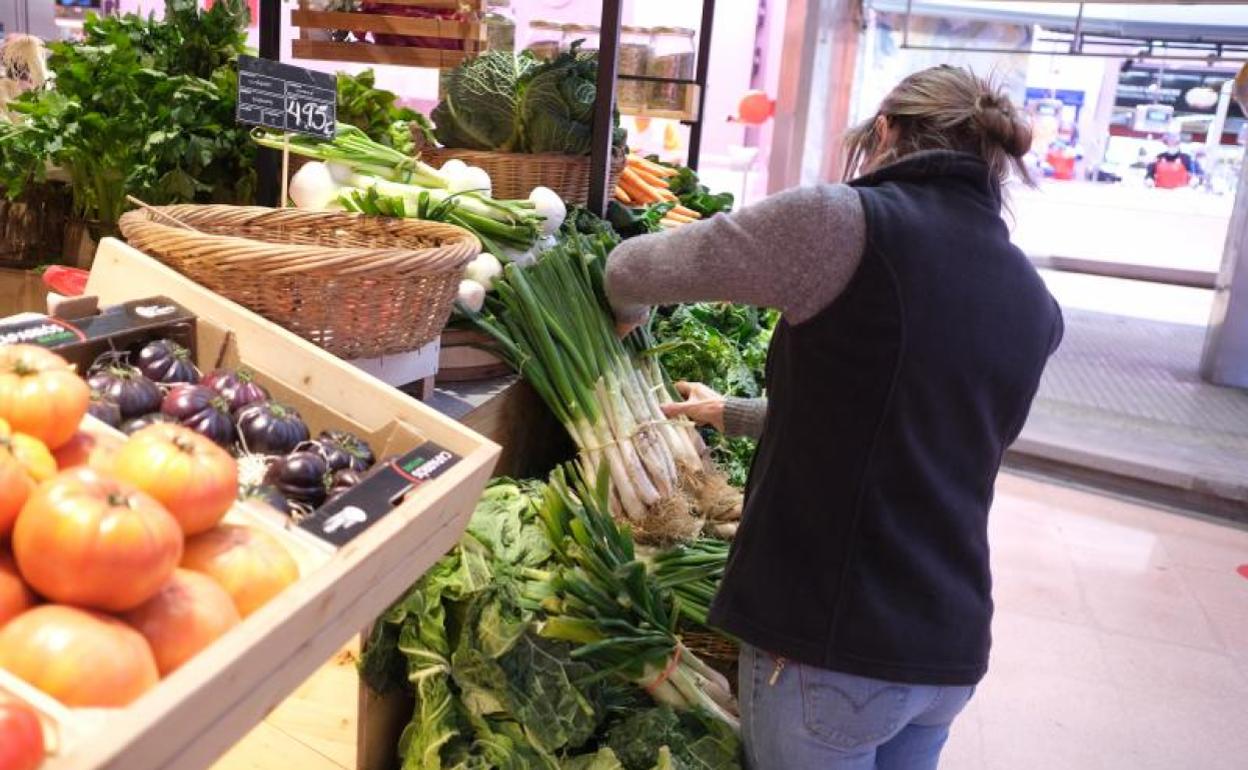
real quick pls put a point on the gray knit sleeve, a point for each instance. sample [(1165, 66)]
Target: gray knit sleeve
[(744, 417), (795, 251)]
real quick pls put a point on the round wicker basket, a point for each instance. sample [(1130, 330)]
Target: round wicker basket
[(514, 174), (360, 287)]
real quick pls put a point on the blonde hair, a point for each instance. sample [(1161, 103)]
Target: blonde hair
[(944, 108)]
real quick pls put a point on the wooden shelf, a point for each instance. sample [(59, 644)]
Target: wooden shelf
[(689, 113), (370, 53), (468, 31)]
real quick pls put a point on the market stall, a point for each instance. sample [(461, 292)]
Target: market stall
[(559, 615)]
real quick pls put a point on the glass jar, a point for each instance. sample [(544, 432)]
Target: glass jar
[(674, 57), (544, 38), (588, 34), (636, 49), (500, 27)]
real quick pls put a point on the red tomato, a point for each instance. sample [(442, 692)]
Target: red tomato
[(81, 658), (95, 450), (250, 565), (21, 737), (40, 394), (191, 611), (196, 480), (90, 541)]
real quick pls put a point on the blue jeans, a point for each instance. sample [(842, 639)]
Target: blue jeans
[(796, 717)]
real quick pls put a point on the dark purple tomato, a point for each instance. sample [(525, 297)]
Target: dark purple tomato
[(167, 362), (139, 423), (201, 409), (125, 386), (342, 480), (270, 428), (239, 387), (299, 477), (105, 410), (335, 443)]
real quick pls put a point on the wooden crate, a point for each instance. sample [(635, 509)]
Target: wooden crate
[(200, 710), (315, 26)]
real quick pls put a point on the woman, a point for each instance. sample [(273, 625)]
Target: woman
[(911, 343)]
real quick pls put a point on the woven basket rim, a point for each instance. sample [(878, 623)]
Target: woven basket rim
[(451, 253)]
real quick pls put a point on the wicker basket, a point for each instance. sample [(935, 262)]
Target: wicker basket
[(515, 174), (32, 227), (717, 651), (360, 287)]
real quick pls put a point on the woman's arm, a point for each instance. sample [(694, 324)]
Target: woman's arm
[(744, 417), (795, 251)]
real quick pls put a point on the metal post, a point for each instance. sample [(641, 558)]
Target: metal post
[(703, 70), (1076, 40), (268, 162), (604, 108), (1225, 360)]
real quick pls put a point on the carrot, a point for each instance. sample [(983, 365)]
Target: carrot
[(621, 196), (674, 217), (667, 196), (639, 195), (684, 212), (651, 166), (637, 188), (654, 181)]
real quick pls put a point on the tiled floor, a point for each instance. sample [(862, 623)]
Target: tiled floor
[(1121, 639)]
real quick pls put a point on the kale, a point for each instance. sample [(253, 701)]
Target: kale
[(692, 742)]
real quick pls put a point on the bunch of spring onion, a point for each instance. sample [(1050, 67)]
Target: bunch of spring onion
[(692, 572), (550, 323), (355, 173), (606, 602)]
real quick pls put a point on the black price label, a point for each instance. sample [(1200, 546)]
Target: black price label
[(286, 98), (342, 519)]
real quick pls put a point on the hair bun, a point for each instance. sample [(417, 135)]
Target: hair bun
[(997, 118)]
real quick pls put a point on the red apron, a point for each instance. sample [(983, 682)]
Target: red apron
[(1170, 174)]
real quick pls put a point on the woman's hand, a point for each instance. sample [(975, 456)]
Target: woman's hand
[(702, 405)]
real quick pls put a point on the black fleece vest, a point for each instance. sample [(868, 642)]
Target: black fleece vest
[(864, 545)]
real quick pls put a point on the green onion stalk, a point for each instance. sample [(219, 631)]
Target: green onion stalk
[(692, 572), (381, 180), (607, 603), (548, 321)]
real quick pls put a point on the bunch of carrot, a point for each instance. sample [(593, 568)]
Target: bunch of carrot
[(644, 182)]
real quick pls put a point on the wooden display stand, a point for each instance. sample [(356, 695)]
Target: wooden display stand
[(315, 28), (203, 708)]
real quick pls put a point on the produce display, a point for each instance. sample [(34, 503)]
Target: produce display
[(545, 640), (115, 567), (551, 325), (355, 173), (140, 107), (230, 416)]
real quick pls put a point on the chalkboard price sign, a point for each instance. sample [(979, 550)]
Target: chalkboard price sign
[(286, 98)]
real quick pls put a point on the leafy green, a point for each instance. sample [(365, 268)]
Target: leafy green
[(491, 692), (557, 105), (373, 110), (724, 346), (138, 107), (695, 195), (630, 222), (515, 102), (479, 107)]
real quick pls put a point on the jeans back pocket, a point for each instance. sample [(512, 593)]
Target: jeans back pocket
[(851, 713)]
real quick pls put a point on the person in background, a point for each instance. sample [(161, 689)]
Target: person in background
[(1172, 168), (912, 339)]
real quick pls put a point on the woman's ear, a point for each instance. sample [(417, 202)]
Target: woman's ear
[(883, 135)]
